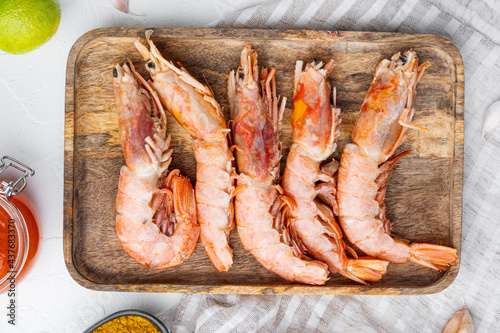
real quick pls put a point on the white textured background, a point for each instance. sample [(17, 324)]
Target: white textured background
[(31, 130)]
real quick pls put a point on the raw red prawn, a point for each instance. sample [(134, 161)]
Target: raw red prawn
[(257, 122), (156, 212), (193, 105), (315, 127), (365, 166)]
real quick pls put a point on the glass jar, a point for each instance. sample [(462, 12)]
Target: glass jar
[(19, 231)]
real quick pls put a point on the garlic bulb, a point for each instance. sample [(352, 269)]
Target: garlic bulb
[(491, 118)]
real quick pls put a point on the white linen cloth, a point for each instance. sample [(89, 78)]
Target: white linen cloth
[(474, 27)]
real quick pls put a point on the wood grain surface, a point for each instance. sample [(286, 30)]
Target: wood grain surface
[(424, 196)]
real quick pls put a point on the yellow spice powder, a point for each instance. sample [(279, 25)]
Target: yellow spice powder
[(128, 324)]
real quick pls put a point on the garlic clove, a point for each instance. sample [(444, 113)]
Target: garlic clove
[(491, 118), (461, 322), (121, 5)]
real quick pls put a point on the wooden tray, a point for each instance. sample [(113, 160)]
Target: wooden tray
[(424, 196)]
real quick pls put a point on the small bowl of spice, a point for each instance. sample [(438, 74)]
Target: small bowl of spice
[(128, 321)]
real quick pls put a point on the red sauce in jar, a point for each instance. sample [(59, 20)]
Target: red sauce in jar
[(9, 236)]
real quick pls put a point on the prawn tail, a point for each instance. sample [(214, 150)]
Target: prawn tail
[(221, 258), (185, 211), (184, 200), (366, 269), (433, 256)]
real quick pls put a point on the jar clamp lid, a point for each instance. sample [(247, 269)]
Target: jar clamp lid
[(9, 189)]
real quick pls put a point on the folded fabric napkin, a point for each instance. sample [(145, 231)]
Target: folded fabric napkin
[(474, 27)]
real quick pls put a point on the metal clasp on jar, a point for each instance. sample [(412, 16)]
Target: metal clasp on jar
[(12, 188)]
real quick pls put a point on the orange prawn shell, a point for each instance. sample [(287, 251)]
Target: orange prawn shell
[(377, 129), (196, 115), (257, 123), (130, 102), (363, 177), (312, 118), (148, 195), (193, 105), (315, 126), (254, 137)]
